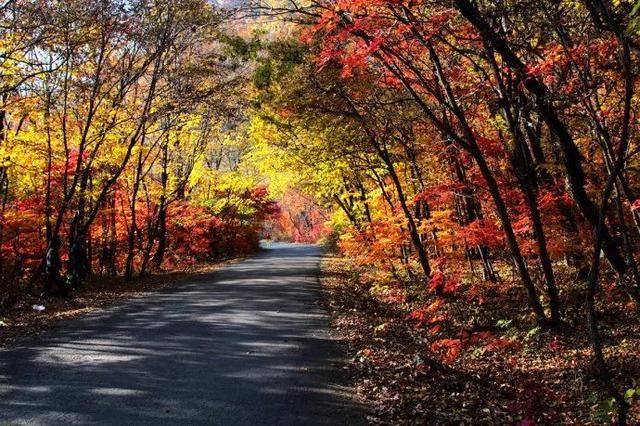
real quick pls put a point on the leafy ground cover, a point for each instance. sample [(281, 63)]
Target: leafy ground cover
[(511, 372)]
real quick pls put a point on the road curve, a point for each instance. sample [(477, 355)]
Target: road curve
[(248, 344)]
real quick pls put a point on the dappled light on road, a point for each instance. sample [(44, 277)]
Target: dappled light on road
[(247, 344)]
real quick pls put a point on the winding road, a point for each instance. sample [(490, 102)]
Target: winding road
[(248, 344)]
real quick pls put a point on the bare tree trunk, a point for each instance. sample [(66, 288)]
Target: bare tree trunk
[(133, 227), (162, 208)]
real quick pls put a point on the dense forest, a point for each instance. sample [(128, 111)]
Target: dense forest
[(483, 159), (474, 164), (115, 157)]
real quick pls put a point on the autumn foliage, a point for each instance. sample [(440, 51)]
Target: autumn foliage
[(475, 162), (481, 160), (115, 151)]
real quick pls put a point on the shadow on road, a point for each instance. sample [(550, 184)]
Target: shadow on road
[(247, 344)]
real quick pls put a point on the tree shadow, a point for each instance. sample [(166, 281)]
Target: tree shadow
[(248, 344)]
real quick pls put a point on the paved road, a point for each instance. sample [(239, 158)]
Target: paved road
[(245, 345)]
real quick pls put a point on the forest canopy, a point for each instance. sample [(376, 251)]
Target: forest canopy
[(474, 162), (481, 161)]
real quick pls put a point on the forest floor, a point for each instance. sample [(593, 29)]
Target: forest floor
[(525, 377), (21, 319)]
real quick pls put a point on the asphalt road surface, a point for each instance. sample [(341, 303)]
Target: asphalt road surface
[(248, 344)]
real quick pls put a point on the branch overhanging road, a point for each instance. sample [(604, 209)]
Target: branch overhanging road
[(248, 344)]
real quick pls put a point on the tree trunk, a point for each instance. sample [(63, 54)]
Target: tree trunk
[(570, 155)]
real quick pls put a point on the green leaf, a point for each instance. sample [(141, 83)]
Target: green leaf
[(503, 323), (381, 327), (533, 333)]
